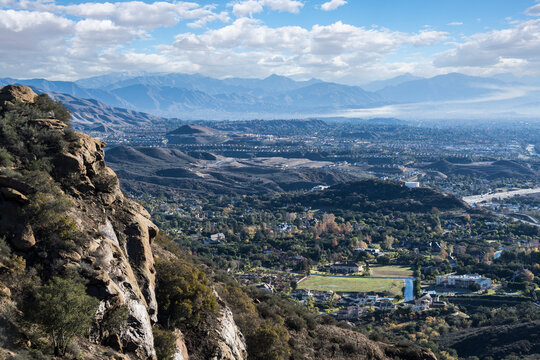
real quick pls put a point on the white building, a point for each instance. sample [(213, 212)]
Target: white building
[(319, 188), (412, 184), (463, 281)]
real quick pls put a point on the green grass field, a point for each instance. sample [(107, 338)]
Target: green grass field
[(392, 271), (346, 284)]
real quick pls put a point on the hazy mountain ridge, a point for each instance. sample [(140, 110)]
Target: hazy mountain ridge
[(184, 95)]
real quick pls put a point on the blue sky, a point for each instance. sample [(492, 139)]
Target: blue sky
[(354, 41)]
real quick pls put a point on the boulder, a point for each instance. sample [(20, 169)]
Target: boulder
[(12, 93)]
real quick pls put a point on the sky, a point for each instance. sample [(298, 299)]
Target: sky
[(345, 41)]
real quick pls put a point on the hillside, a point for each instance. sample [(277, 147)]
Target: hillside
[(377, 195), (201, 174), (85, 274), (490, 170), (94, 115)]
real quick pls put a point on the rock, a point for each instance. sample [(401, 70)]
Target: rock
[(229, 341), (24, 239), (13, 195), (181, 352), (5, 292), (12, 93)]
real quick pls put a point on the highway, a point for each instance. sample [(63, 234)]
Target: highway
[(475, 199)]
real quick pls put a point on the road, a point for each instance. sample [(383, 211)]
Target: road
[(475, 199)]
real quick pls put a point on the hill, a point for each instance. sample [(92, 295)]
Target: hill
[(201, 174), (440, 88), (94, 115), (490, 169), (377, 195)]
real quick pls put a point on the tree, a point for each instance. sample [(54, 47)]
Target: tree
[(63, 310), (164, 343), (417, 288), (183, 293), (268, 342)]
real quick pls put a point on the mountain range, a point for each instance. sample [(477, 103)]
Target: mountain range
[(199, 97)]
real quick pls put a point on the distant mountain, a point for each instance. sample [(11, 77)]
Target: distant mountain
[(199, 97), (441, 88), (381, 84), (93, 115), (328, 95), (68, 87)]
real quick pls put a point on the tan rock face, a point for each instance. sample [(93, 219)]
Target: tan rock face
[(116, 255), (11, 93)]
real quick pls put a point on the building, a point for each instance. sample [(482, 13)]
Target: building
[(349, 313), (372, 251), (412, 184), (463, 281), (319, 188), (346, 268)]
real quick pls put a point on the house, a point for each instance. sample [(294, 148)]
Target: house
[(346, 268), (349, 313), (285, 227), (301, 294), (319, 188), (412, 184), (217, 237), (386, 305), (372, 251), (463, 281)]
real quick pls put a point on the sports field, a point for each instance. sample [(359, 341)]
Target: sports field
[(392, 271), (352, 284)]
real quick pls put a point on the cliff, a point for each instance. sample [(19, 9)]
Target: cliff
[(115, 256)]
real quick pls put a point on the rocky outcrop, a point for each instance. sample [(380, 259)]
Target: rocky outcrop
[(116, 255), (11, 93), (229, 341)]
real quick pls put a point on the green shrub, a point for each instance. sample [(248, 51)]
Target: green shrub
[(269, 342), (164, 343), (63, 311), (183, 293), (5, 157)]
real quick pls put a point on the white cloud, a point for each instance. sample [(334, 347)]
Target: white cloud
[(292, 6), (533, 10), (248, 47), (332, 4), (518, 45), (32, 32), (250, 7), (455, 23)]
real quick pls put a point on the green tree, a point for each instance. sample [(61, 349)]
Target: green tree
[(269, 342), (183, 293), (63, 310), (164, 343)]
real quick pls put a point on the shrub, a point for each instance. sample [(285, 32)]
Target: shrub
[(183, 294), (164, 343), (5, 157), (268, 342), (62, 309)]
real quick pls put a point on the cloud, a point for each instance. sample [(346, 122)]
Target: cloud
[(533, 10), (335, 51), (332, 4), (251, 7), (248, 7), (40, 33), (517, 45), (455, 23)]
